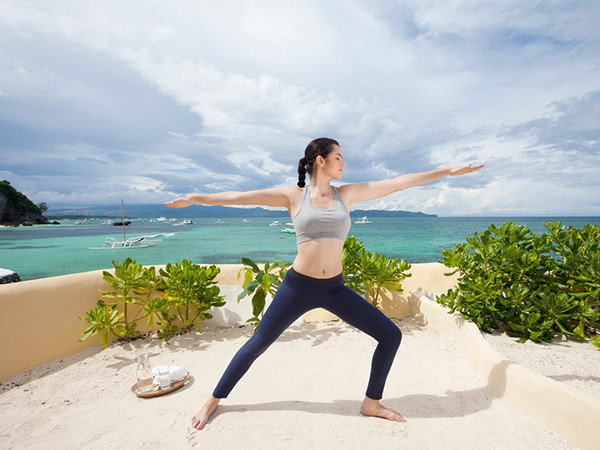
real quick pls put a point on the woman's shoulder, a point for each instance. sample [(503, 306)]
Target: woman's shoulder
[(291, 192)]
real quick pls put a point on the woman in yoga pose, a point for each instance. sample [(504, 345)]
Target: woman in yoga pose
[(320, 213)]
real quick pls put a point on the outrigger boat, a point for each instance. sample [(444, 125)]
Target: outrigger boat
[(289, 229), (132, 242)]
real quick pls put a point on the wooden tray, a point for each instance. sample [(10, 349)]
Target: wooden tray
[(157, 390)]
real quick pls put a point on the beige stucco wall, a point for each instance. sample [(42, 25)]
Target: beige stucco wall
[(39, 319)]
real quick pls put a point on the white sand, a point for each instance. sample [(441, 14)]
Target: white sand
[(304, 392), (571, 362)]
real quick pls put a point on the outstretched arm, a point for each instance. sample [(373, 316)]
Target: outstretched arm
[(361, 192), (264, 197)]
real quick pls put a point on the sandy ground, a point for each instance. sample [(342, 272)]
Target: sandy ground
[(304, 392), (569, 361)]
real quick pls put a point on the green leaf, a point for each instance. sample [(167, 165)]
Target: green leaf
[(104, 339), (258, 302), (249, 262), (579, 331)]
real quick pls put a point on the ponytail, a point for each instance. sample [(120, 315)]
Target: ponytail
[(302, 172)]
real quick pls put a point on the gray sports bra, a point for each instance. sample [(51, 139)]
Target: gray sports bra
[(314, 223)]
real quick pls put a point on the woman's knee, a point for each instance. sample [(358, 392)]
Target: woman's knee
[(257, 345), (392, 335)]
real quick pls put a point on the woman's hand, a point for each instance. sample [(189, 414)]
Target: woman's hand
[(180, 202), (463, 170)]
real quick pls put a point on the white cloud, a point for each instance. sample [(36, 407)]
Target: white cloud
[(184, 96)]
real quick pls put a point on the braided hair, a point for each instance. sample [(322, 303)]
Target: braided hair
[(319, 147)]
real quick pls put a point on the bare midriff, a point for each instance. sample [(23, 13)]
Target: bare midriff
[(319, 258)]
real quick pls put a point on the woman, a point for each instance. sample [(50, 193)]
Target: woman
[(320, 213)]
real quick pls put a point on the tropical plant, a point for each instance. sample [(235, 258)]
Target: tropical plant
[(367, 273), (531, 286), (131, 284), (259, 283), (182, 292), (189, 290)]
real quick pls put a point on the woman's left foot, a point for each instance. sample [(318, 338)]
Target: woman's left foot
[(373, 408)]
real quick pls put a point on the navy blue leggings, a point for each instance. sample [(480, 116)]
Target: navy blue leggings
[(298, 294)]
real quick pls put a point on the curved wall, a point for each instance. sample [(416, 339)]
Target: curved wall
[(39, 319)]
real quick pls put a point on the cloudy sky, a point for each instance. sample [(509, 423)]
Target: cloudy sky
[(146, 100)]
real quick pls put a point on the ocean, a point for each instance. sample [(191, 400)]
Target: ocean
[(50, 250)]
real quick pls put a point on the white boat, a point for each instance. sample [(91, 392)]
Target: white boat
[(219, 221), (185, 222), (244, 220), (289, 228), (132, 242), (274, 223), (363, 219)]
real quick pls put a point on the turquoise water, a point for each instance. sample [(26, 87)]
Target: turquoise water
[(50, 250)]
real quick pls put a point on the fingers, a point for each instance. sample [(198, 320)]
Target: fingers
[(177, 203), (466, 169)]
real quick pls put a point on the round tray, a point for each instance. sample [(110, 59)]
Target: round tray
[(157, 390)]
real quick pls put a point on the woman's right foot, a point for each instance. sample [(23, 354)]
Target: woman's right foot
[(202, 416), (373, 408)]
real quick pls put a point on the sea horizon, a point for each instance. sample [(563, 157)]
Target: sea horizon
[(74, 246)]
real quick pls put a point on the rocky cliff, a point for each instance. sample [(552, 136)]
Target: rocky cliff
[(17, 209)]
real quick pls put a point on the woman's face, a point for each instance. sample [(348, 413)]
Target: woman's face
[(333, 165)]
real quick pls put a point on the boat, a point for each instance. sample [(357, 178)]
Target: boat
[(132, 242), (184, 222), (244, 220), (363, 219), (122, 224), (289, 229), (219, 221), (274, 223)]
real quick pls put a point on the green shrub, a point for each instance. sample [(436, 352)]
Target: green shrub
[(183, 292), (528, 285), (367, 273), (189, 290)]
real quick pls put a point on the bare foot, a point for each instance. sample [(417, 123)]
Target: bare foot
[(373, 408), (202, 416)]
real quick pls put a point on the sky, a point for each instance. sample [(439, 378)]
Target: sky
[(149, 100)]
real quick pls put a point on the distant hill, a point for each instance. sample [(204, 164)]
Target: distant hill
[(199, 211), (17, 209)]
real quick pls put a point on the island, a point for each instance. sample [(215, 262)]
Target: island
[(16, 209)]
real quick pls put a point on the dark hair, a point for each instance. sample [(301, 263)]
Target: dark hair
[(320, 146)]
